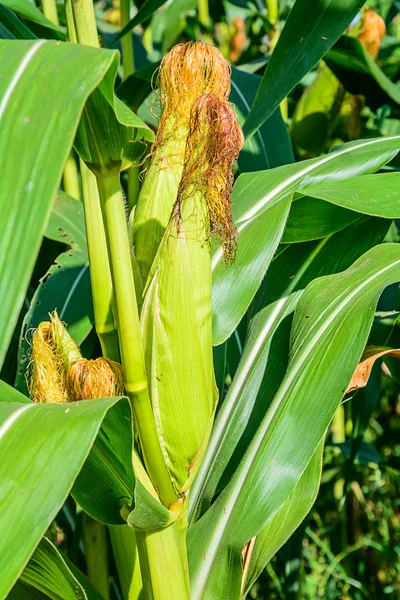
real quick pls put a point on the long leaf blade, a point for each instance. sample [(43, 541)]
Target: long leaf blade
[(43, 448), (49, 572), (41, 127), (329, 332), (311, 29), (259, 370), (256, 193)]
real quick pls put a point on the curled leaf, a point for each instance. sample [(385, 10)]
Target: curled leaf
[(364, 368)]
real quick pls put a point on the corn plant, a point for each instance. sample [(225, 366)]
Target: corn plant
[(196, 465)]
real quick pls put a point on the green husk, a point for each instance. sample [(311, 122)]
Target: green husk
[(176, 321)]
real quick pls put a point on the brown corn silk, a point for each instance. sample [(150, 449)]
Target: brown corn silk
[(59, 373), (186, 72), (213, 145), (176, 317), (99, 378)]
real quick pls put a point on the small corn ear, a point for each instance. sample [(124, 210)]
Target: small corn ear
[(59, 373), (52, 349)]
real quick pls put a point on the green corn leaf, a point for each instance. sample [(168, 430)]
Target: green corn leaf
[(11, 27), (110, 136), (10, 394), (254, 195), (313, 219), (23, 591), (66, 223), (270, 146), (43, 448), (286, 519), (315, 114), (335, 205), (376, 195), (50, 572), (30, 12), (169, 24), (331, 326), (149, 514), (234, 286), (45, 131), (145, 11), (263, 361), (134, 90), (66, 285), (108, 470), (309, 32)]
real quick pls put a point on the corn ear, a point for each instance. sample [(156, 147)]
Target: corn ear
[(186, 72), (52, 350), (176, 320), (59, 373)]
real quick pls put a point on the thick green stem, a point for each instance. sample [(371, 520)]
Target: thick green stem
[(163, 562), (123, 542), (71, 178), (128, 62), (338, 437), (70, 174), (100, 274), (49, 8), (204, 15), (69, 16), (273, 11), (85, 22), (96, 554), (129, 334)]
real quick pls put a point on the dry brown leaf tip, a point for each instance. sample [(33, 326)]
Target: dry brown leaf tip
[(363, 370)]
